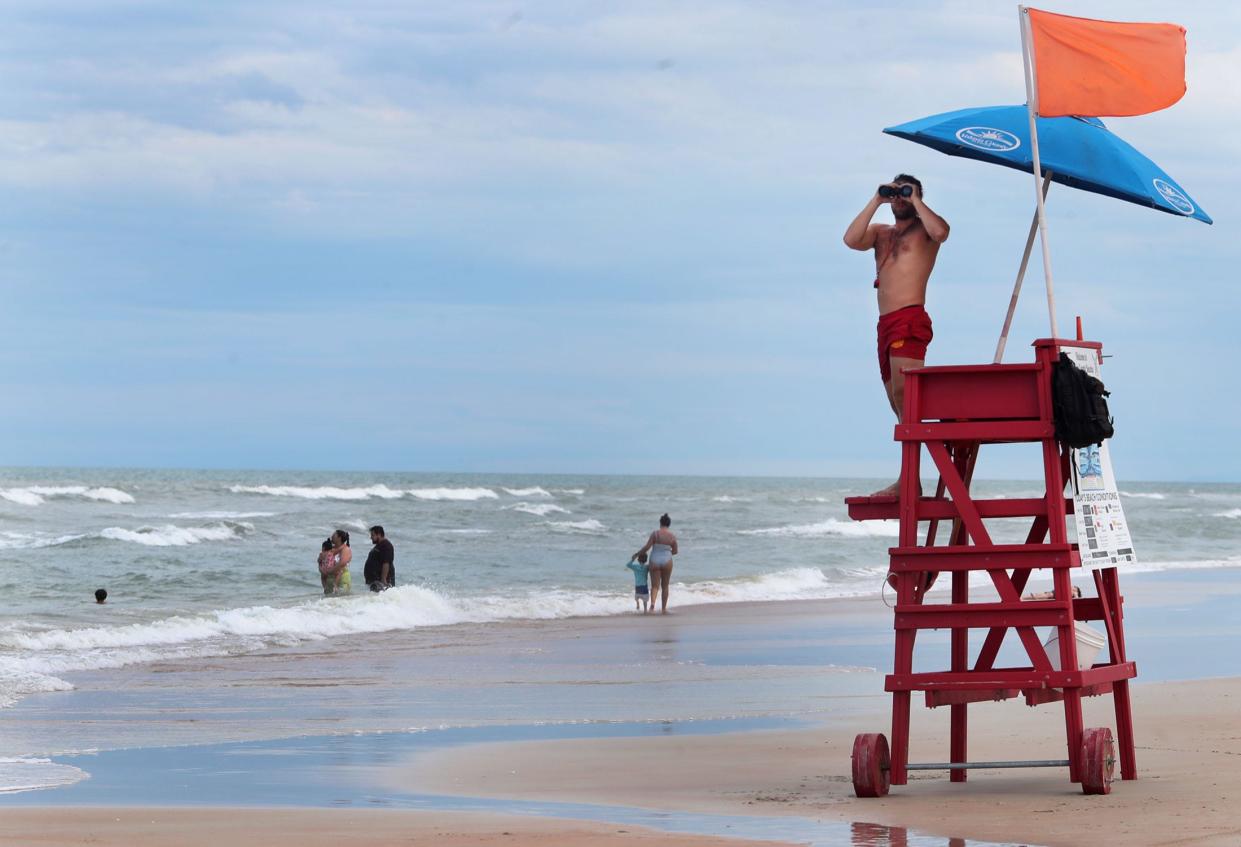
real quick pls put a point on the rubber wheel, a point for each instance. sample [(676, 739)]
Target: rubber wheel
[(1098, 761), (871, 765)]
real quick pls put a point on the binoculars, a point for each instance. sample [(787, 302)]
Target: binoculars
[(905, 190)]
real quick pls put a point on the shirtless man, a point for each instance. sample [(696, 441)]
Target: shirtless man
[(904, 257)]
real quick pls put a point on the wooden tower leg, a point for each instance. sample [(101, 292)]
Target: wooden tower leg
[(909, 587), (960, 664), (1073, 729), (906, 585), (1124, 729), (900, 737), (1108, 584)]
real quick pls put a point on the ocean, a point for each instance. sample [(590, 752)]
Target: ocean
[(200, 565)]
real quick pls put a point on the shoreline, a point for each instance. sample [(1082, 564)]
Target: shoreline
[(672, 691)]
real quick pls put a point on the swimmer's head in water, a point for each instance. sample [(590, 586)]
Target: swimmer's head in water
[(101, 595)]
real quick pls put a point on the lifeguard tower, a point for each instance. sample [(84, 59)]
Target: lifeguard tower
[(952, 412), (1073, 67)]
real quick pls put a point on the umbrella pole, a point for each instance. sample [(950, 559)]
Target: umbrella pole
[(1021, 275), (1032, 107)]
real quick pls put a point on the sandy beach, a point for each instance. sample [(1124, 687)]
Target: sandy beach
[(165, 827), (1188, 744)]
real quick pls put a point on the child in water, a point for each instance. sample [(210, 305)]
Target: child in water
[(641, 594)]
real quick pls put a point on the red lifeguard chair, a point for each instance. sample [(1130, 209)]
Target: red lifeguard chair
[(952, 411)]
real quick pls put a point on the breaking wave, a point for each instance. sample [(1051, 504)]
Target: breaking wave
[(383, 492), (590, 526), (541, 510), (33, 540), (831, 527), (34, 495), (536, 491), (42, 653), (171, 535), (168, 535), (452, 493), (223, 516)]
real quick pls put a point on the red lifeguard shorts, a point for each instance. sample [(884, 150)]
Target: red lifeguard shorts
[(904, 333)]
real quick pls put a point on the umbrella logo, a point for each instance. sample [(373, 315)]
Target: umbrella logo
[(988, 138), (1173, 196)]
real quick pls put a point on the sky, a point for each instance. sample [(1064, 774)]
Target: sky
[(562, 237)]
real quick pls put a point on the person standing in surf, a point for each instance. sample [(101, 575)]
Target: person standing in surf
[(662, 545), (905, 253), (335, 577), (380, 569)]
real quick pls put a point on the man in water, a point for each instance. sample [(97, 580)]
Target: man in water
[(905, 253), (380, 570)]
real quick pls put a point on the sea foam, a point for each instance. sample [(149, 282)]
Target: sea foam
[(541, 510), (535, 491), (466, 494), (222, 515), (167, 535), (26, 774), (33, 540), (53, 651), (383, 492), (831, 527), (321, 492), (590, 526)]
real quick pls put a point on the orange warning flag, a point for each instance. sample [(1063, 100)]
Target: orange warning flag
[(1094, 68)]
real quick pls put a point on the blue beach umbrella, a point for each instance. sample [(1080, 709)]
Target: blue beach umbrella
[(1078, 152)]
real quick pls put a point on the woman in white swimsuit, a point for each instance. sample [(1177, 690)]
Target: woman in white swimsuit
[(662, 545)]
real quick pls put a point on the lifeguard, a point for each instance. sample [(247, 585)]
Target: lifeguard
[(905, 253)]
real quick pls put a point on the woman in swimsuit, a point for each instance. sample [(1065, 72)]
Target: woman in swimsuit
[(662, 545), (338, 572)]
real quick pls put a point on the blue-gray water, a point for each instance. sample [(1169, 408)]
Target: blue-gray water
[(215, 563), (509, 591)]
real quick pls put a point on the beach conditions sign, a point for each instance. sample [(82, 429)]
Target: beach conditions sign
[(1102, 534)]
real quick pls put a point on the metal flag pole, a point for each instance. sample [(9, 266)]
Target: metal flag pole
[(1031, 71), (1021, 275)]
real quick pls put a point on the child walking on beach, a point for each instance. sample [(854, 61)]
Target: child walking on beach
[(641, 594)]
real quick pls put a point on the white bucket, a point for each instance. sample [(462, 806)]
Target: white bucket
[(1089, 643)]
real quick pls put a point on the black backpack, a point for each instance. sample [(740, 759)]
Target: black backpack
[(1078, 400)]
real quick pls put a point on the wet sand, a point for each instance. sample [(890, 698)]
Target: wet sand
[(163, 827), (814, 664)]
